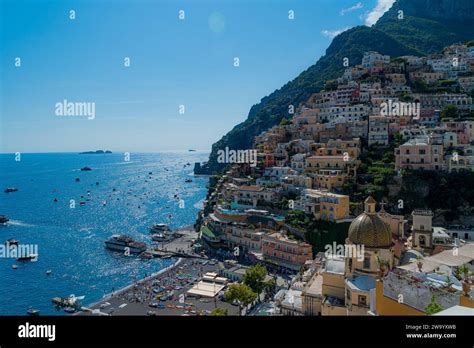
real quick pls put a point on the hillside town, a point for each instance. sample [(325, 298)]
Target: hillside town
[(306, 206)]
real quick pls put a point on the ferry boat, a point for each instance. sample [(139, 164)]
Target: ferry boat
[(120, 242), (3, 219), (160, 228)]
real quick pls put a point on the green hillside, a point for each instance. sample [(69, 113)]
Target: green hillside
[(427, 26)]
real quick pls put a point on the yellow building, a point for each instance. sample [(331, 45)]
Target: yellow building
[(333, 287), (329, 179), (369, 231), (326, 205), (316, 163)]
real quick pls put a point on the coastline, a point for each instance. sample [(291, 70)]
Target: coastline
[(187, 234), (130, 286)]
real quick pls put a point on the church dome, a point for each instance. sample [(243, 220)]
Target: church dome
[(369, 229)]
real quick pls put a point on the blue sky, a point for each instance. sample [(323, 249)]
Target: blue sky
[(173, 62)]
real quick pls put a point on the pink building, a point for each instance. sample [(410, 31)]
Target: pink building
[(419, 153)]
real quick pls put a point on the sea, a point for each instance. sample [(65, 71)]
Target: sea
[(120, 195)]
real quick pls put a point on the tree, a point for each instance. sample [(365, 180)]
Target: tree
[(449, 111), (254, 277), (433, 307), (241, 293), (219, 312)]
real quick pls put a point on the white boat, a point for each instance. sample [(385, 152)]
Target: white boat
[(157, 228), (159, 237), (121, 242)]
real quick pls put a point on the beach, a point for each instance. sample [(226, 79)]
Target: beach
[(175, 281)]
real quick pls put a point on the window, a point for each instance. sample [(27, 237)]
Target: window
[(422, 241), (366, 262), (362, 300)]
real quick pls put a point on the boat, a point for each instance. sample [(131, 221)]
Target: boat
[(33, 311), (10, 189), (70, 309), (159, 237), (78, 179), (188, 180), (146, 255), (14, 266), (192, 150), (3, 219), (72, 301), (121, 242), (48, 272), (11, 242), (31, 257), (160, 228), (86, 169)]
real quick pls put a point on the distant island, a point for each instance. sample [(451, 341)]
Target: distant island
[(97, 152)]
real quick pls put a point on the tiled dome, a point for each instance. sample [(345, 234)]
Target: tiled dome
[(369, 229)]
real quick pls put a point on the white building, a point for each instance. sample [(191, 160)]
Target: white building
[(371, 58)]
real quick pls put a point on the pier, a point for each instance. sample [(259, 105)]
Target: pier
[(178, 247)]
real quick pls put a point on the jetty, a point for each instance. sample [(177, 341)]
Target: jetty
[(181, 246)]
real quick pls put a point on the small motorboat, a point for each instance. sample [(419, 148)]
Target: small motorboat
[(82, 203), (33, 311), (188, 180), (14, 266), (31, 257), (3, 219), (70, 309), (86, 169), (78, 179), (10, 189), (55, 200), (11, 242), (48, 272), (145, 255)]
